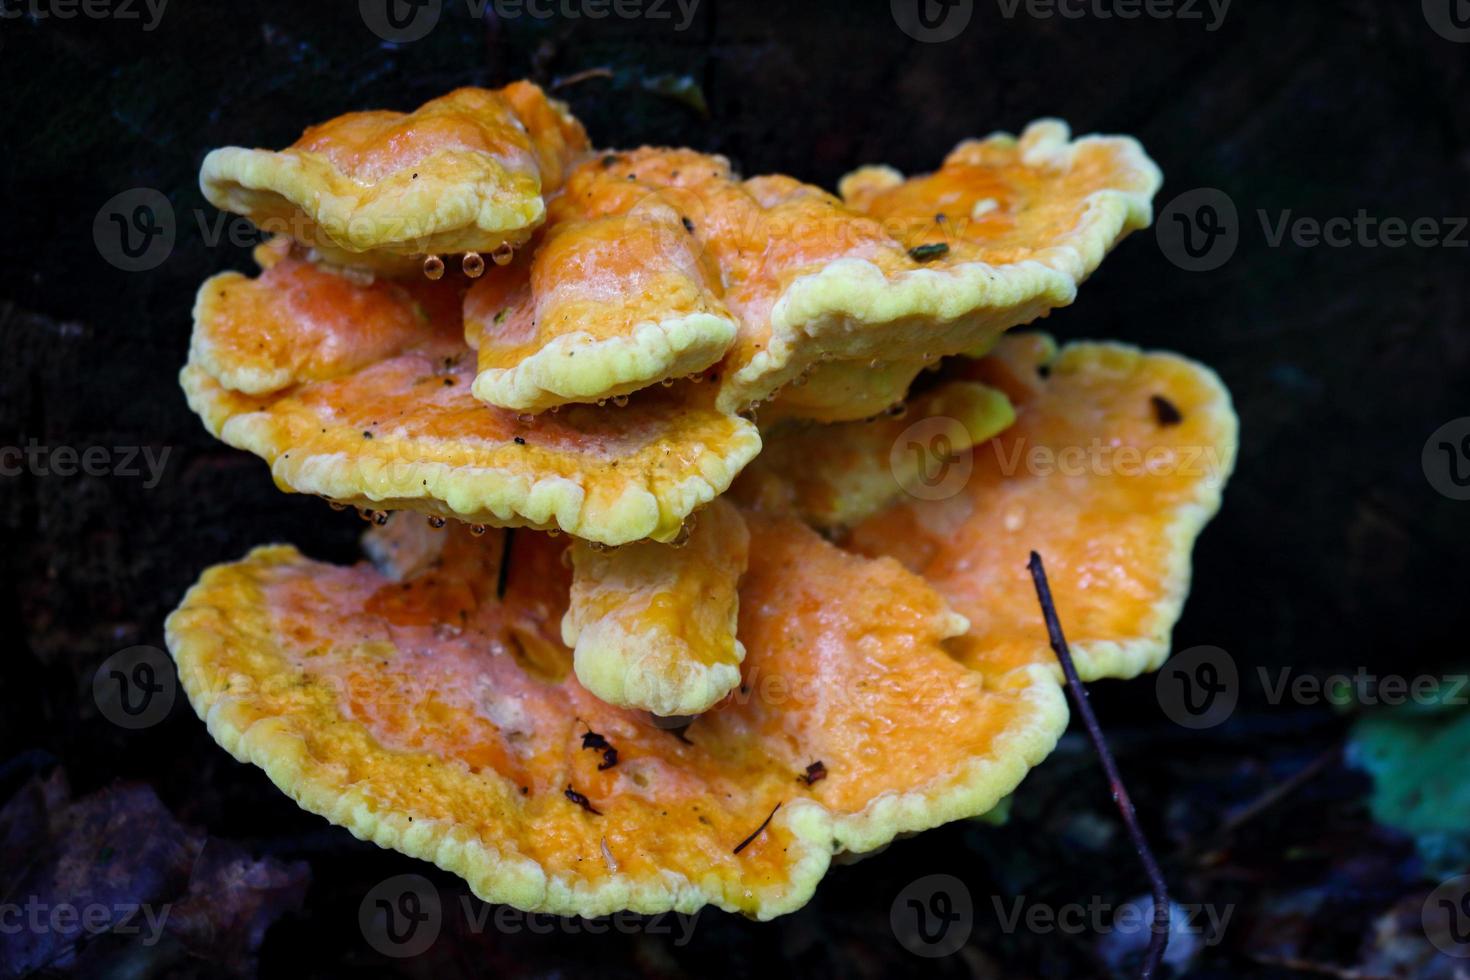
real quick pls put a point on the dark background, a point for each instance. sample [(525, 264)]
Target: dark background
[(1333, 551)]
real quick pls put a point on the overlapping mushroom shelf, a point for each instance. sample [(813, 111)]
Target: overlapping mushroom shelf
[(662, 608), (361, 394)]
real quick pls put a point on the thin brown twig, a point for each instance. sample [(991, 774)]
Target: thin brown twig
[(1159, 939), (576, 78), (502, 577), (1281, 790)]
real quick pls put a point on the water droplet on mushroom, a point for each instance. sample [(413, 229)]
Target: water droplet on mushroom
[(380, 517), (525, 418), (1014, 518), (696, 378), (602, 403), (598, 546), (873, 364), (433, 267), (682, 538), (621, 401), (337, 506), (477, 529), (472, 264), (553, 532), (437, 522), (503, 253), (667, 382), (898, 411)]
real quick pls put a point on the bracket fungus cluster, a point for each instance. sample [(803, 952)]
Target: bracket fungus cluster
[(658, 609)]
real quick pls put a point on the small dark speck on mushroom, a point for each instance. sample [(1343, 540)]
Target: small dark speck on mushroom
[(366, 434), (688, 225), (449, 382), (924, 253), (1165, 411), (816, 772), (520, 441), (581, 801)]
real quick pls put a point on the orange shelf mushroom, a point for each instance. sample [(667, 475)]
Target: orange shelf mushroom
[(466, 172), (653, 625), (409, 716), (676, 264), (387, 422), (503, 704), (1114, 465)]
